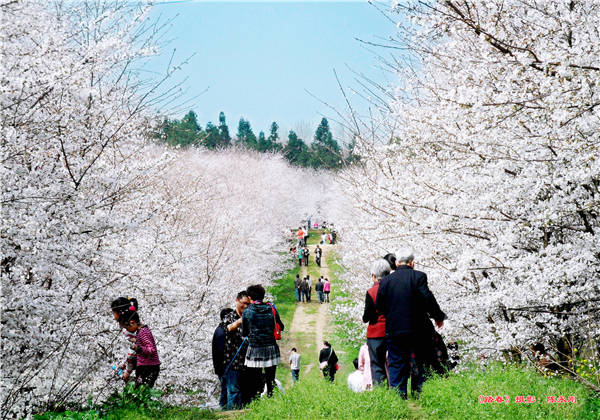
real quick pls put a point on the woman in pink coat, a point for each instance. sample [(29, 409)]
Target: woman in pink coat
[(326, 289)]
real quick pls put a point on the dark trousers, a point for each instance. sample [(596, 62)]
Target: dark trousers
[(259, 379), (295, 375), (377, 351), (329, 372), (146, 375), (404, 363), (326, 296)]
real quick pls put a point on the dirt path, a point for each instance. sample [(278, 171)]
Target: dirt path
[(311, 318)]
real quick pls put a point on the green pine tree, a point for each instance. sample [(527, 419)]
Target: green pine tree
[(245, 135), (296, 151), (325, 151), (224, 137)]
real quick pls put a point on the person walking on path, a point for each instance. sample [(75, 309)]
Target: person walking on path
[(318, 253), (218, 349), (319, 290), (295, 364), (328, 361), (258, 324), (300, 256), (327, 289), (404, 299), (300, 235), (309, 287), (235, 354), (304, 290), (376, 328), (305, 253), (297, 285)]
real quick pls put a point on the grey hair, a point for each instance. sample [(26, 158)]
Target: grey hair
[(380, 268), (405, 255)]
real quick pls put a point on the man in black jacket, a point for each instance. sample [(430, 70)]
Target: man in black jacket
[(406, 301), (218, 348)]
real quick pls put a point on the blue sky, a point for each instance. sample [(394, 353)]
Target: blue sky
[(257, 60)]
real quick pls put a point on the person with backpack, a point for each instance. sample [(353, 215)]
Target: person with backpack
[(262, 325), (218, 348), (328, 361)]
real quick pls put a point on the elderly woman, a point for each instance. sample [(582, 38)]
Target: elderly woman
[(376, 329), (258, 324)]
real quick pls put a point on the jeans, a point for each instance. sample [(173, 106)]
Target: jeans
[(377, 350), (304, 296), (223, 397), (297, 295), (321, 297), (234, 392), (403, 363), (295, 375)]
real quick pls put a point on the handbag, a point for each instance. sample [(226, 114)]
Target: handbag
[(277, 330), (323, 365)]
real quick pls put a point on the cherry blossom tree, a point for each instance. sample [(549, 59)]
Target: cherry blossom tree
[(490, 170), (93, 210)]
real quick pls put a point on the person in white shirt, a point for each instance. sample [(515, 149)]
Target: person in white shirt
[(295, 365), (355, 379)]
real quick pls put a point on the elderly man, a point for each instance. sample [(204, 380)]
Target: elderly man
[(405, 300), (376, 329)]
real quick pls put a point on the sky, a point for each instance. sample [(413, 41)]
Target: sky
[(259, 60)]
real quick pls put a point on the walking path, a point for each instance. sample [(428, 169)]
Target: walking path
[(310, 319)]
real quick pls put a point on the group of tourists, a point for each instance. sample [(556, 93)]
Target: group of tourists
[(303, 289), (142, 354), (245, 350), (401, 341)]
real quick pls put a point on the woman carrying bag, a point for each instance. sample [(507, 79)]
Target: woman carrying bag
[(328, 361), (262, 325)]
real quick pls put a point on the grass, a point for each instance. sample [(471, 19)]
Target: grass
[(315, 398), (455, 397), (284, 295), (458, 396), (314, 236), (345, 342)]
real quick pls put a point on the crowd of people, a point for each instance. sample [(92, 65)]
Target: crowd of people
[(401, 341)]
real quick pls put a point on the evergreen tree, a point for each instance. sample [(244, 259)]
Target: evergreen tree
[(184, 133), (273, 139), (245, 135), (325, 151), (263, 145), (212, 140), (225, 138), (296, 151)]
